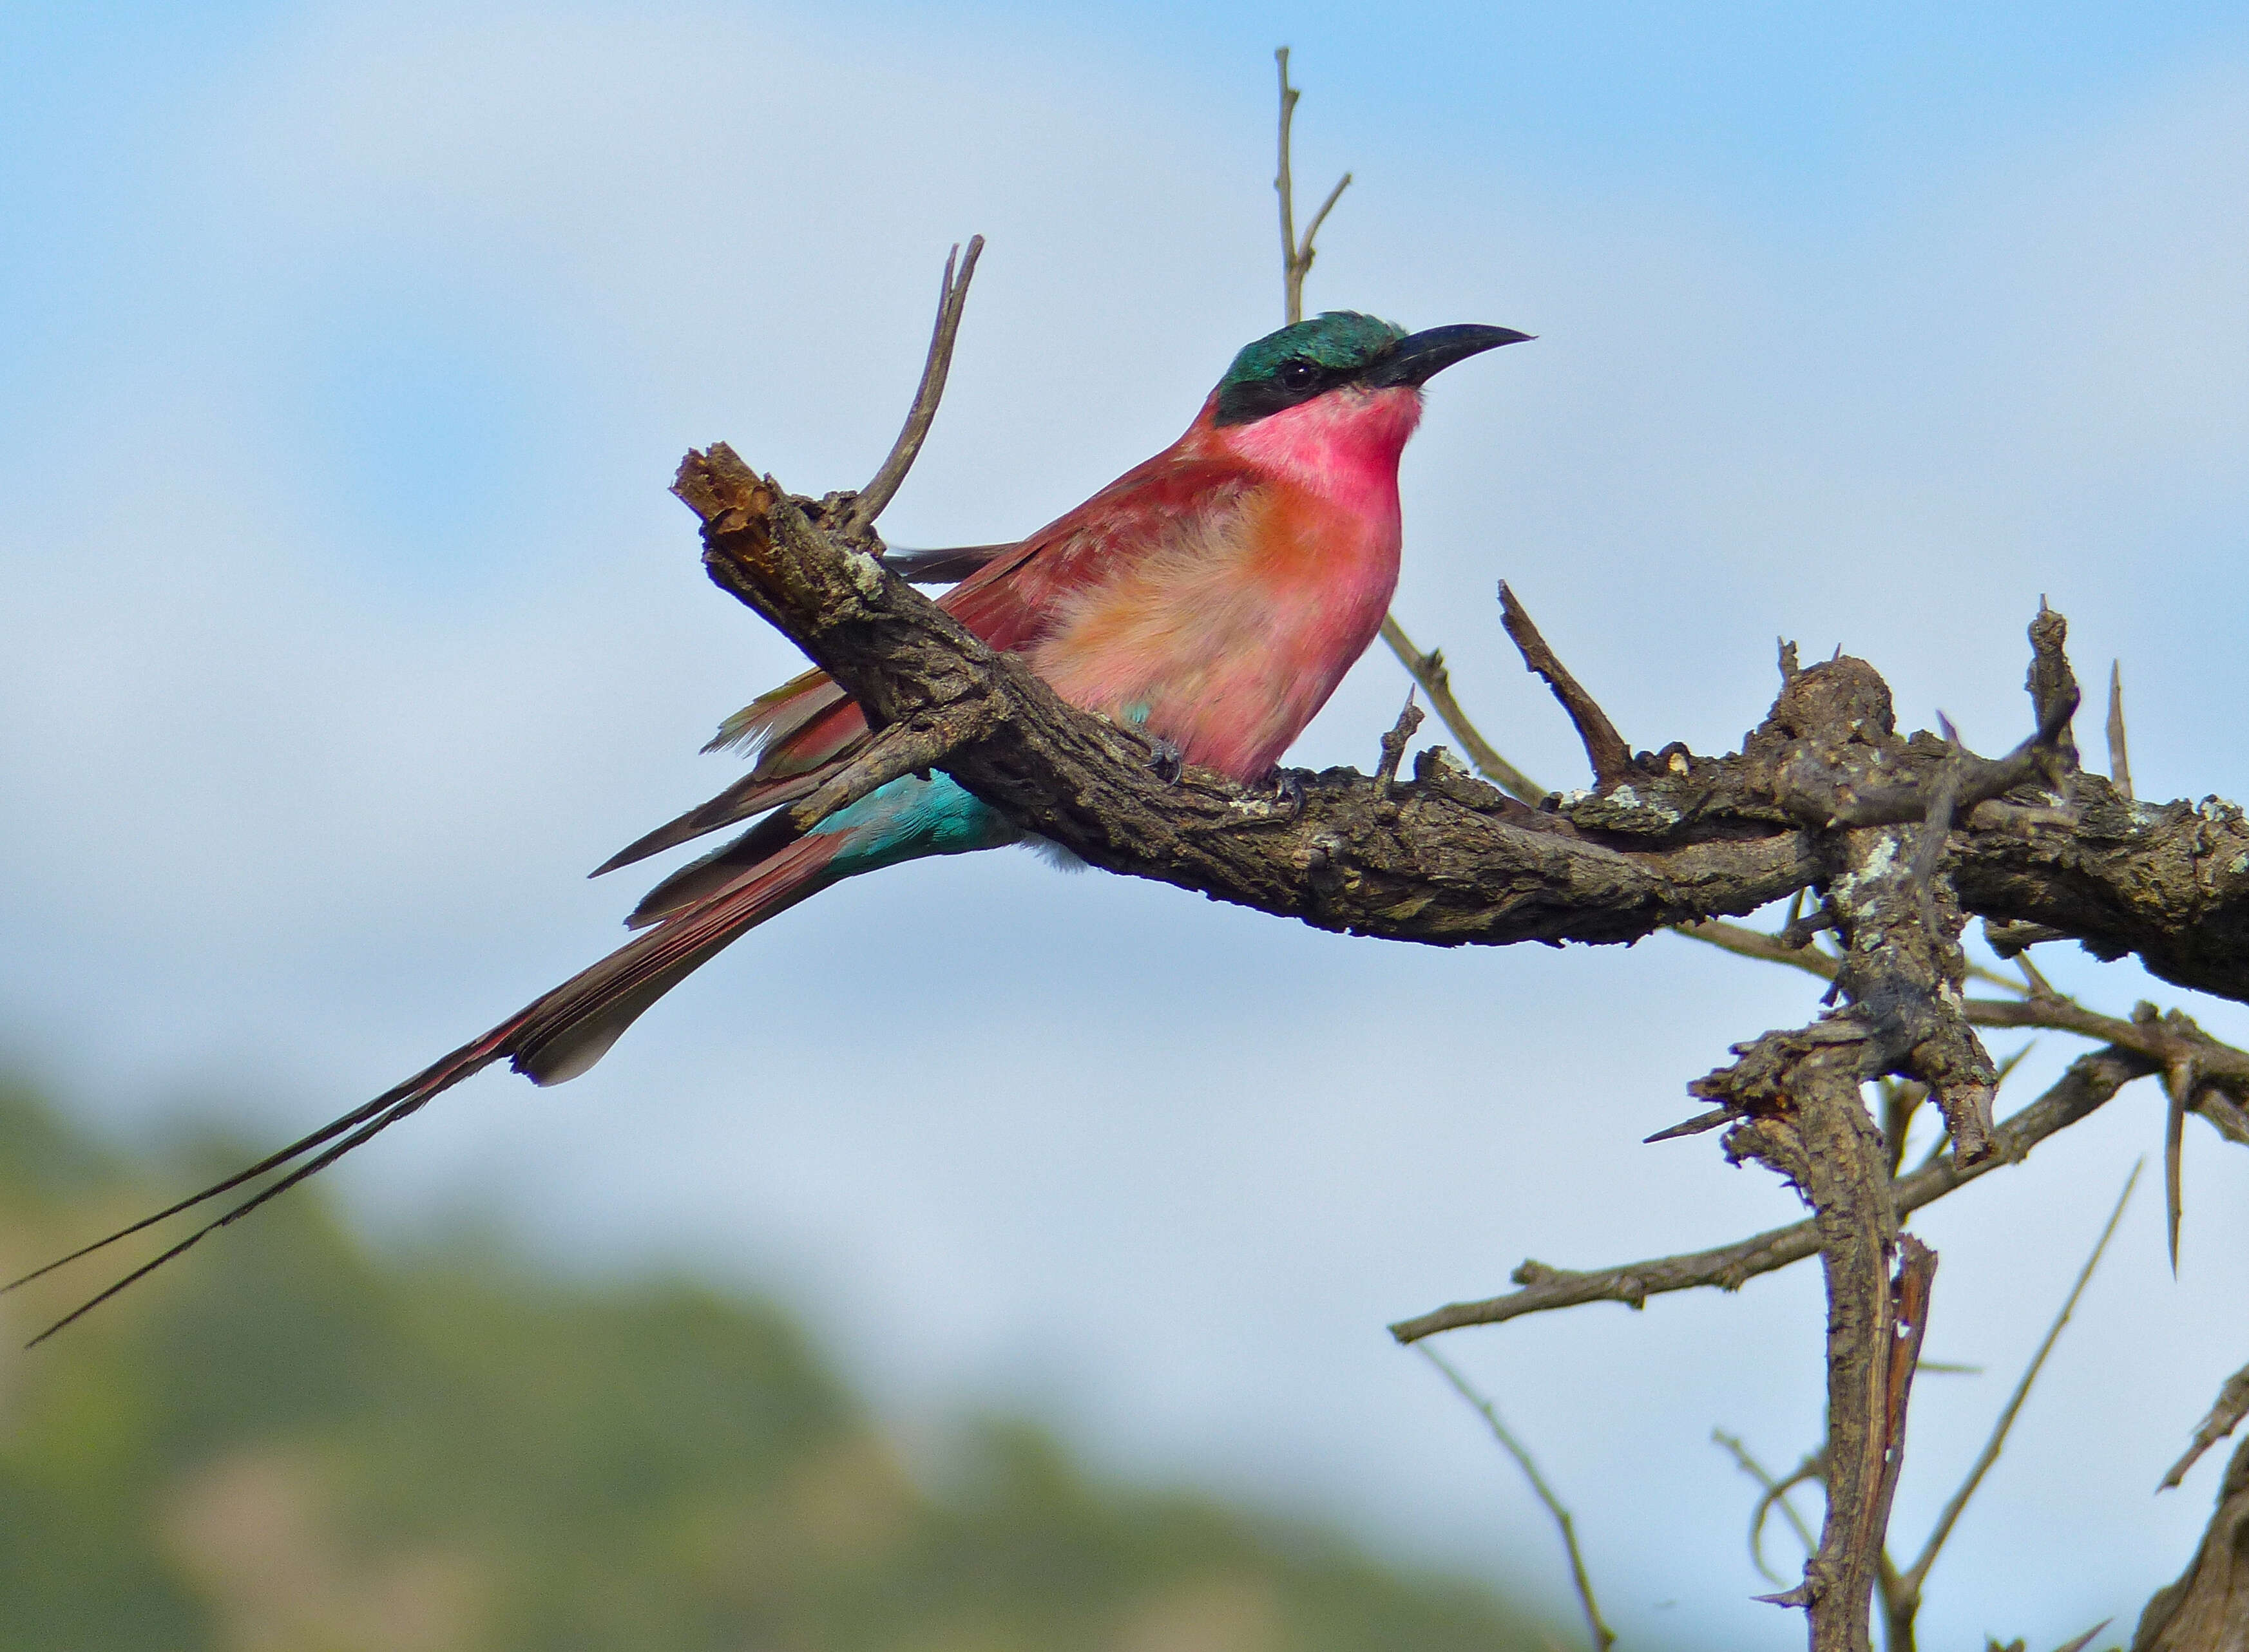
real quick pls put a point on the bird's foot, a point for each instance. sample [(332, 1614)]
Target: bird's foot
[(1168, 760), (1288, 791)]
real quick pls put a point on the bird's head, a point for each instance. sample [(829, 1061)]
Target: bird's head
[(1346, 351), (1331, 402)]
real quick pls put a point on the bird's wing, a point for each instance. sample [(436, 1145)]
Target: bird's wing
[(805, 730)]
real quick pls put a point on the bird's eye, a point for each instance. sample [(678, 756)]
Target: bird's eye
[(1298, 374)]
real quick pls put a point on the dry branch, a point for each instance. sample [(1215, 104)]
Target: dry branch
[(1902, 1590), (1449, 861), (2092, 1081), (1802, 1117), (952, 302), (2232, 1404), (1605, 747), (1602, 1636)]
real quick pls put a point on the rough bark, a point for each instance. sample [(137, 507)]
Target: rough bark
[(1447, 860)]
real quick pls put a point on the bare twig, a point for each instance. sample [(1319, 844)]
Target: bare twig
[(1394, 742), (2224, 1416), (1775, 1496), (951, 299), (2120, 758), (1605, 747), (1429, 670), (1903, 1597), (1603, 1637), (1295, 255), (1743, 941)]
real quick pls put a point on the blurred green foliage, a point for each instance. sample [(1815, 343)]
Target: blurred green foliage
[(292, 1444)]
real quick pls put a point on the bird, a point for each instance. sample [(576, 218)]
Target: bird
[(1211, 598)]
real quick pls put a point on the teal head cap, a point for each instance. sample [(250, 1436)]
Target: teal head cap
[(1309, 359)]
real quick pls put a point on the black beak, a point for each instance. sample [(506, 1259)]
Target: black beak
[(1420, 357)]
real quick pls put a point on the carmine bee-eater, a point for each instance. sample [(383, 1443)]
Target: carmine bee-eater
[(1211, 597)]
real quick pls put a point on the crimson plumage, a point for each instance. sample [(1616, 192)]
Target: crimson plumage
[(1212, 597)]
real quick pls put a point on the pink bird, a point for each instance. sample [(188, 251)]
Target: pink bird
[(1211, 597)]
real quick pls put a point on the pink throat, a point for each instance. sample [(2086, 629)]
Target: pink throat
[(1343, 445)]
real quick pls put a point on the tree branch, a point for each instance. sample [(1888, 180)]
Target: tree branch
[(2232, 1405), (1798, 1095), (2207, 1610), (1605, 747), (1429, 670), (952, 301), (1448, 859)]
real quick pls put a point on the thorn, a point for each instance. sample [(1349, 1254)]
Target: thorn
[(1695, 1126), (2120, 763), (2179, 1082)]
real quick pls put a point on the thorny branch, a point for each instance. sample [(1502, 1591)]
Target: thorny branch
[(1899, 839), (1796, 1094), (2092, 1081), (2232, 1404), (1902, 1590), (2207, 1610)]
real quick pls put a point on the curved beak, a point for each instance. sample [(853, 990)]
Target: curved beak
[(1421, 356)]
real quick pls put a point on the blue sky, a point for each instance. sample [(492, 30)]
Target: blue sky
[(349, 352)]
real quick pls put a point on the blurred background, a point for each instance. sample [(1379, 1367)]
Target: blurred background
[(348, 352)]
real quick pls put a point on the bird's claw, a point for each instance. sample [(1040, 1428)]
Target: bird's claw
[(1168, 760), (1288, 790)]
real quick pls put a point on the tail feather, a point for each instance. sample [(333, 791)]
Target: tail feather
[(791, 768), (707, 874), (799, 728), (751, 794), (358, 1126), (567, 1032), (556, 1038), (776, 714)]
